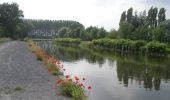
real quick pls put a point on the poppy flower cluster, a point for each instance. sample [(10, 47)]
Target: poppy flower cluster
[(71, 85)]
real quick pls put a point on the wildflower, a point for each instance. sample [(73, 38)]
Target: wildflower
[(58, 81), (76, 78), (67, 76), (89, 87), (80, 85)]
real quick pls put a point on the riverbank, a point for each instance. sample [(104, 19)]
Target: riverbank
[(121, 45), (71, 86)]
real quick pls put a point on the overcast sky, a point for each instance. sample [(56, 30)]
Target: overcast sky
[(101, 13)]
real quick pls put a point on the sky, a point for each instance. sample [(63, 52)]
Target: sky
[(100, 13)]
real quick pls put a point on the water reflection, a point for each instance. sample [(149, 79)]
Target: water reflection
[(144, 71)]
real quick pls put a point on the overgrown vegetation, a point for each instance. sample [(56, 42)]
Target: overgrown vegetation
[(49, 61), (131, 46), (73, 87)]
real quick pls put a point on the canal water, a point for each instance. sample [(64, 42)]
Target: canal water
[(115, 76)]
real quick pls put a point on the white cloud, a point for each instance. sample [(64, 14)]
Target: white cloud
[(99, 13)]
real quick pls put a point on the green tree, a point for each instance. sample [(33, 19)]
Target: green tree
[(125, 30), (140, 33), (123, 17), (158, 34), (63, 32), (102, 33), (152, 16), (10, 17), (165, 28), (161, 15), (129, 15), (1, 30), (113, 34)]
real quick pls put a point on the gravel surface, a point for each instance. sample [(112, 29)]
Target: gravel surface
[(22, 77)]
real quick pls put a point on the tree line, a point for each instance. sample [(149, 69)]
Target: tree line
[(62, 29), (13, 25), (52, 28), (149, 26), (10, 20)]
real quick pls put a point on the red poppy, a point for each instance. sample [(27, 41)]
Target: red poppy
[(89, 87), (81, 85), (67, 76), (76, 78), (58, 81)]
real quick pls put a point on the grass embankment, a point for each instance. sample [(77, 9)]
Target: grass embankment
[(49, 61), (127, 45), (68, 85)]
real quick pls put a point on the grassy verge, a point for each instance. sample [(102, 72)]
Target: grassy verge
[(69, 86), (49, 61)]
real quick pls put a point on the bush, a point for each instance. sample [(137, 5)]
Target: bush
[(156, 47)]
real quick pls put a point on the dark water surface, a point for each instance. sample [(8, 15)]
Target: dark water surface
[(115, 76)]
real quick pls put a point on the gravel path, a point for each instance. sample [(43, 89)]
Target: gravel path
[(22, 77)]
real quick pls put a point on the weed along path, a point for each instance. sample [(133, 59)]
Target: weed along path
[(22, 76)]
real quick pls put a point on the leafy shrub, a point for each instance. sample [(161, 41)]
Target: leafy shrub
[(156, 47)]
